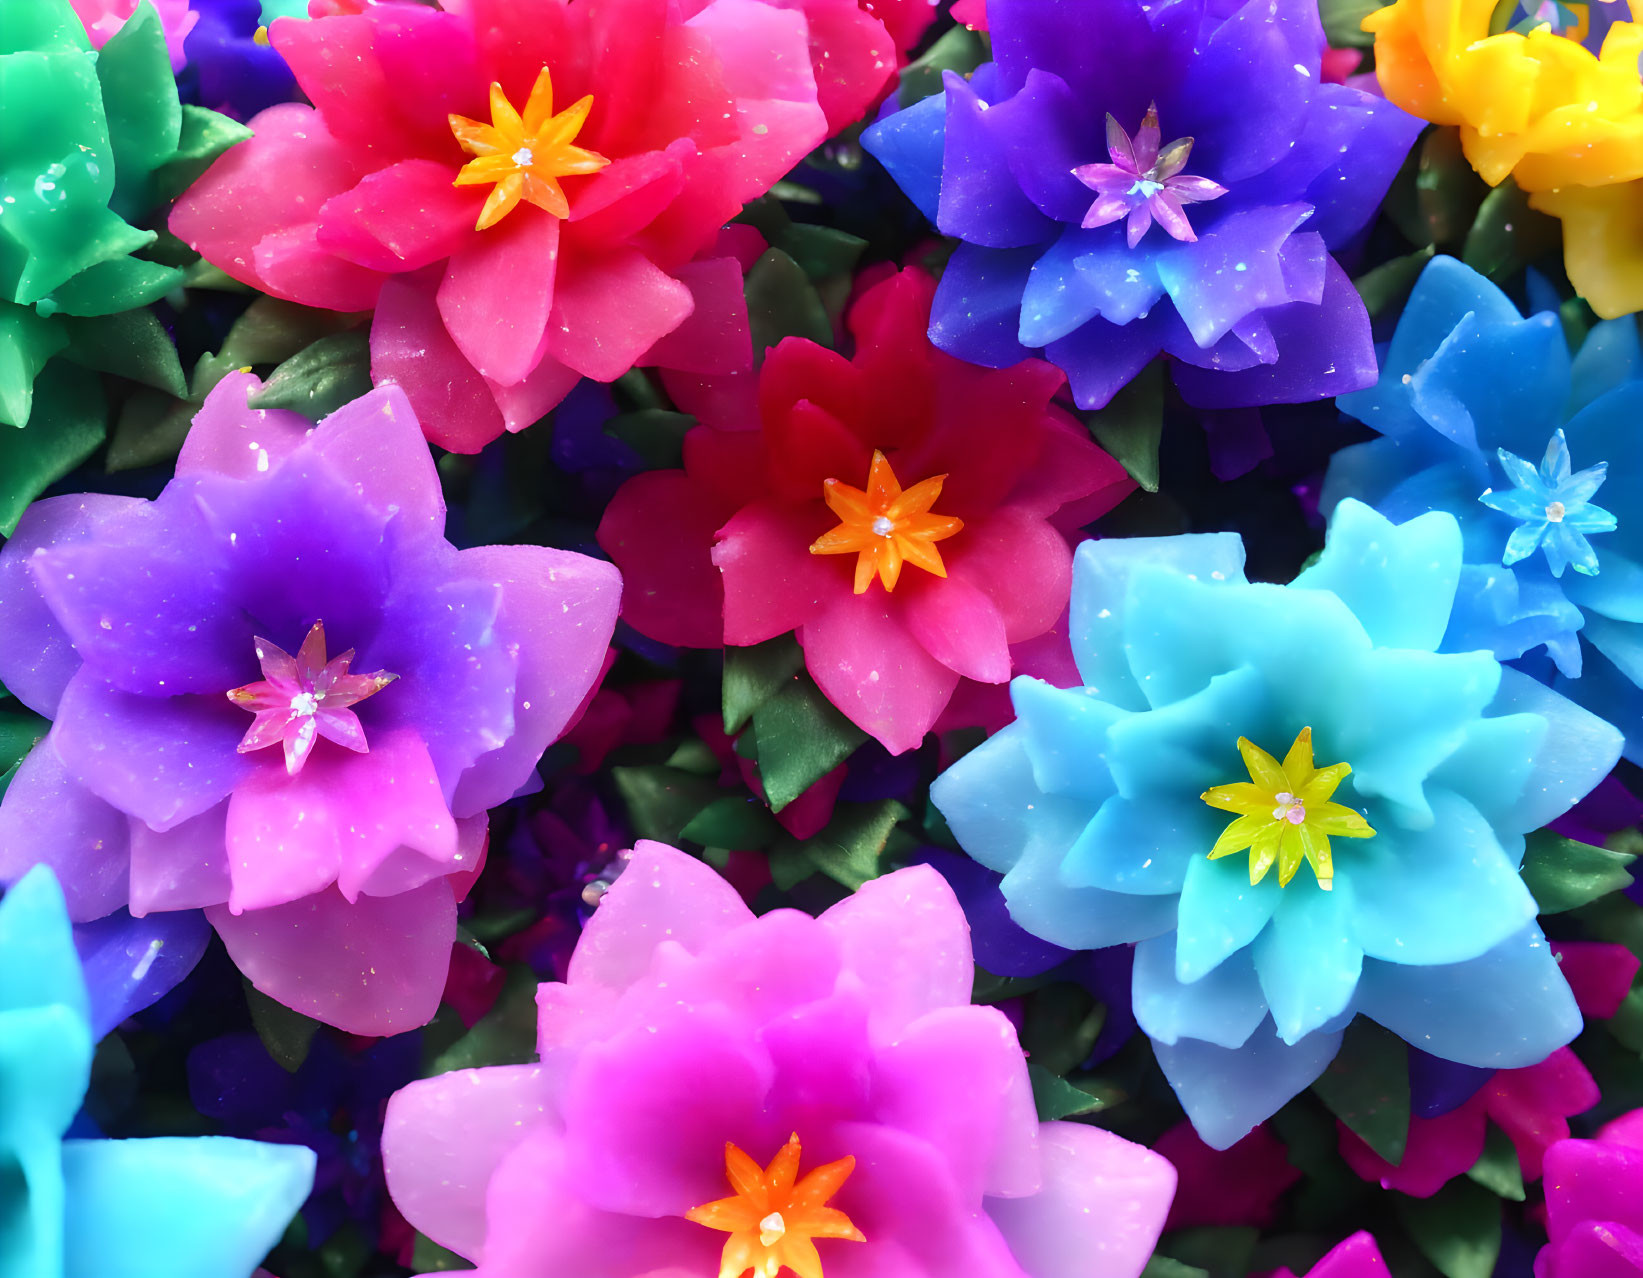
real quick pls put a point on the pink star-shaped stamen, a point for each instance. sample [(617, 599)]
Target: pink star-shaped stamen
[(302, 698), (1144, 183)]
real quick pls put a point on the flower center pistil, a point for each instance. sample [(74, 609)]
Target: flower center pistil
[(525, 155), (302, 698), (1284, 813), (774, 1218), (1144, 182), (885, 526)]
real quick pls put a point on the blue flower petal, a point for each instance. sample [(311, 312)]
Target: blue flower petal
[(995, 809), (1508, 1009), (203, 1207), (977, 308), (41, 965), (1610, 355), (1306, 958), (1577, 752), (1493, 765), (1141, 847), (1226, 1092), (1221, 911), (1398, 579), (1174, 754), (980, 201), (1441, 895), (1223, 1008), (910, 144), (1065, 731), (1461, 392)]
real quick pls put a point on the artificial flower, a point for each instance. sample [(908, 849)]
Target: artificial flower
[(1093, 804), (96, 141), (1531, 1105), (1483, 414), (130, 964), (331, 870), (1594, 1204), (171, 1207), (487, 320), (229, 68), (898, 509), (1356, 1257), (833, 1066), (103, 18), (1131, 178), (1554, 101)]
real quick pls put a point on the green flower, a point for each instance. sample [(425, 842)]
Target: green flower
[(93, 146)]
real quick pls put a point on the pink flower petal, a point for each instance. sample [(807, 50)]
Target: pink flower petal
[(291, 262), (867, 663), (560, 608), (411, 349), (400, 218), (1099, 1212), (443, 1137), (376, 966), (609, 310), (1021, 563), (659, 529), (1599, 972), (497, 294), (958, 625), (186, 868), (904, 936), (229, 437), (663, 895), (375, 443), (610, 207), (772, 582), (714, 338), (526, 402)]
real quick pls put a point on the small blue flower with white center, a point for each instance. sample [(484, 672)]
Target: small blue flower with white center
[(1555, 509)]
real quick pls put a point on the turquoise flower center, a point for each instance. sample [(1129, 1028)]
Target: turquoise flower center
[(1553, 506)]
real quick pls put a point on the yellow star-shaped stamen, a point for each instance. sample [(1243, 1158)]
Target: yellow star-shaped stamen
[(526, 156), (1285, 813), (886, 527)]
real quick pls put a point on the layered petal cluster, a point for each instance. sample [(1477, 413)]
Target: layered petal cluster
[(1594, 1204), (1532, 1106), (1093, 803), (1484, 415), (172, 1207), (351, 204), (835, 1064), (1131, 178), (331, 869), (731, 549), (93, 141), (1554, 101)]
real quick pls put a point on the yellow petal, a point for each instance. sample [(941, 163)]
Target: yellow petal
[(1298, 762), (501, 201), (504, 118), (1239, 835), (1339, 820), (1323, 783), (539, 106), (921, 554), (1263, 768), (1264, 851), (1240, 796), (1290, 853)]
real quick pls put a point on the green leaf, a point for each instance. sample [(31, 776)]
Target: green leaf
[(1131, 425), (801, 736), (1578, 320), (782, 302), (150, 431), (822, 252), (847, 851), (662, 801), (271, 331), (27, 342), (958, 49), (20, 730), (754, 675), (140, 100), (133, 344), (107, 288), (656, 434), (1448, 192), (505, 1035), (1388, 285), (428, 1257), (1059, 1026), (1159, 1266), (286, 1033), (1564, 874), (1343, 22), (735, 821), (694, 755), (321, 378), (1457, 1229), (205, 135), (1507, 234), (1056, 1098), (68, 423), (1497, 1168), (1220, 1251), (1627, 1023), (789, 866), (1367, 1087)]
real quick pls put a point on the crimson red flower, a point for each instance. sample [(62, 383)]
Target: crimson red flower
[(761, 534), (351, 205)]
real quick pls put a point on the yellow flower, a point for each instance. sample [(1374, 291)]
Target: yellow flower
[(1537, 105), (1284, 813), (525, 156)]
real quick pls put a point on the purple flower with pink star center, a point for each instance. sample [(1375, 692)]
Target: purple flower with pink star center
[(1144, 182), (300, 699)]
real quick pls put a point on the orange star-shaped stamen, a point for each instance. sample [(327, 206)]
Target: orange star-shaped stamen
[(771, 1221), (525, 157), (886, 526)]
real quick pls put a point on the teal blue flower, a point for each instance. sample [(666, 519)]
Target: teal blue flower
[(1554, 507), (1294, 806), (205, 1207)]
